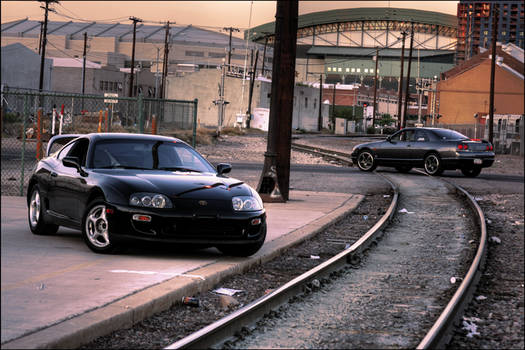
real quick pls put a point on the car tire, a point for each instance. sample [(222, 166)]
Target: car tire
[(365, 161), (433, 164), (95, 228), (35, 215), (403, 169), (471, 172), (244, 250)]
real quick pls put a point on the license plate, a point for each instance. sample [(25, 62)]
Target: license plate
[(478, 161)]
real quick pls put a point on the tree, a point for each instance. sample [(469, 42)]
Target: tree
[(385, 120)]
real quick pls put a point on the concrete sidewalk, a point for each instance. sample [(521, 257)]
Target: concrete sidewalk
[(56, 293)]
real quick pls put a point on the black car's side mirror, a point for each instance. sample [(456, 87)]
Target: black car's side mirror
[(223, 168), (73, 162), (389, 138)]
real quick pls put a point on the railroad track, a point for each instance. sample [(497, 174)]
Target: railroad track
[(419, 272)]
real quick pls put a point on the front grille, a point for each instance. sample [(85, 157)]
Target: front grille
[(204, 227)]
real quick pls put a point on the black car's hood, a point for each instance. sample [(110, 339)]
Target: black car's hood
[(174, 184)]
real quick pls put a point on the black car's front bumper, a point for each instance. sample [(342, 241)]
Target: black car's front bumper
[(169, 225)]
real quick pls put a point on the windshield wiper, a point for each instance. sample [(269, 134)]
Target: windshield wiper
[(178, 168)]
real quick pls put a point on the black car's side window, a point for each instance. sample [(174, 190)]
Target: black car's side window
[(75, 149), (79, 150), (421, 136)]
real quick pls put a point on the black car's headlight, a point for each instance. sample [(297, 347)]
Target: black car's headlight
[(246, 203), (151, 200)]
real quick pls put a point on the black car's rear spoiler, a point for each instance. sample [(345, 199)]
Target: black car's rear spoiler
[(61, 140)]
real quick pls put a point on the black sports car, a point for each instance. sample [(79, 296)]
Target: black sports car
[(433, 149), (114, 187)]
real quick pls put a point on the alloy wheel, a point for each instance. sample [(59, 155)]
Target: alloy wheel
[(97, 226), (34, 208)]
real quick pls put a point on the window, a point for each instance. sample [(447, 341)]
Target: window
[(329, 69), (366, 70), (353, 70), (371, 70), (195, 53), (358, 70), (306, 102), (347, 70), (517, 126), (421, 136), (75, 149), (339, 69), (315, 103), (101, 85), (216, 54), (334, 69)]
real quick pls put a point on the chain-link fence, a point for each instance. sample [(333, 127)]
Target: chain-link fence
[(26, 127)]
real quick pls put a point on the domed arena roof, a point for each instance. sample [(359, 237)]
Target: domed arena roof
[(361, 14)]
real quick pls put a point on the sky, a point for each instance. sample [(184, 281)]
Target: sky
[(212, 14)]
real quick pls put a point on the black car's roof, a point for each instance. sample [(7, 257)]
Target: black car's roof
[(129, 136)]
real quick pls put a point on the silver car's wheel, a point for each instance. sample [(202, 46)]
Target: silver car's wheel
[(35, 214), (365, 161), (433, 164), (96, 228), (34, 209)]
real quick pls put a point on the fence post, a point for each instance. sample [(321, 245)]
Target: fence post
[(195, 104), (39, 134), (25, 116), (154, 124), (99, 121), (106, 120), (141, 116)]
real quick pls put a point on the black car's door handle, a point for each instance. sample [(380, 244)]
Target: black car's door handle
[(54, 174)]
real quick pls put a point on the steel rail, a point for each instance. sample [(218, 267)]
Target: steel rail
[(226, 327), (440, 333)]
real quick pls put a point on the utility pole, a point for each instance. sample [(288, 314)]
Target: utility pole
[(135, 20), (83, 72), (157, 74), (332, 116), (44, 42), (231, 30), (84, 65), (165, 61), (40, 37), (275, 179), (375, 89), (407, 87), (252, 82), (264, 53), (400, 98), (493, 71), (320, 116)]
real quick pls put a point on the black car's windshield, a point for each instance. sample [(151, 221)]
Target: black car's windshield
[(147, 155), (449, 135)]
